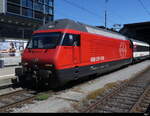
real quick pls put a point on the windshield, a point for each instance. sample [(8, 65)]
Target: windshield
[(44, 41)]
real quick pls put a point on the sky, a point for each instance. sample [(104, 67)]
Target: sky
[(92, 11)]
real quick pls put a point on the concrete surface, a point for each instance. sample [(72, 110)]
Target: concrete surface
[(7, 71), (65, 99), (6, 74), (72, 96), (8, 61)]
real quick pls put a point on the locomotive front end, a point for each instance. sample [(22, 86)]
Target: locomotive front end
[(38, 59)]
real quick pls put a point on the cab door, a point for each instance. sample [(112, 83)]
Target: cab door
[(71, 50), (71, 43)]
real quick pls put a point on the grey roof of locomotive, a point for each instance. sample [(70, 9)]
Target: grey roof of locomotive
[(70, 24)]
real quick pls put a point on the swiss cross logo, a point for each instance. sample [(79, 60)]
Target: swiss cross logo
[(123, 49)]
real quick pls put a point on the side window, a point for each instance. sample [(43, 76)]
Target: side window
[(71, 40), (76, 40)]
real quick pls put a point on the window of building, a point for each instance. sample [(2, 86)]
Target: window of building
[(41, 1), (30, 4), (38, 7), (14, 1), (24, 3), (38, 15), (30, 13), (49, 18), (27, 3), (49, 2), (48, 10), (32, 8), (27, 12), (24, 12), (13, 8)]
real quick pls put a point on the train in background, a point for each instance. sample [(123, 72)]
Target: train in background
[(65, 50), (141, 50)]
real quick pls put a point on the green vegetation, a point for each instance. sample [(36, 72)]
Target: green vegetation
[(98, 92), (42, 97)]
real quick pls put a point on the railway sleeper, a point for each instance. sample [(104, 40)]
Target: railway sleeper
[(16, 97), (6, 101), (137, 91), (114, 109), (128, 96), (19, 98), (101, 111), (99, 97), (138, 85), (125, 98), (119, 105), (120, 101), (133, 92), (134, 89), (27, 95)]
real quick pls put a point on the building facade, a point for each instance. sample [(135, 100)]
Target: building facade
[(40, 10), (18, 19)]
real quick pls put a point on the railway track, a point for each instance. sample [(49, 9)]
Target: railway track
[(133, 96), (15, 99)]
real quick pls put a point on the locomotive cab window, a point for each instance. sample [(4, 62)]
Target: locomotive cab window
[(45, 41), (71, 40)]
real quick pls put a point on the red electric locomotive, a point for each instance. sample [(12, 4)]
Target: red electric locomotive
[(66, 50)]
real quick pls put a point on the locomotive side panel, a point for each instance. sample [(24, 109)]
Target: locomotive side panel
[(100, 54), (100, 49)]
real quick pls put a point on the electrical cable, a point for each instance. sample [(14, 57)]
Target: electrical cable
[(142, 4), (82, 8)]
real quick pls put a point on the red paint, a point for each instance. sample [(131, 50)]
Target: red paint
[(95, 47)]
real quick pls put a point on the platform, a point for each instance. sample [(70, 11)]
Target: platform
[(11, 61), (6, 74)]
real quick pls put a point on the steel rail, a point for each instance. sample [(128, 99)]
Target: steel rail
[(101, 102), (137, 107)]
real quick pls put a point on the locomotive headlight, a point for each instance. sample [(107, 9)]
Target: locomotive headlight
[(25, 64), (48, 65)]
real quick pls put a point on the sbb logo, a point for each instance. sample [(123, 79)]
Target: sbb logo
[(123, 49)]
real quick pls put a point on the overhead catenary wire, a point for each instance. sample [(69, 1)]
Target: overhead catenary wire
[(144, 7), (82, 8)]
